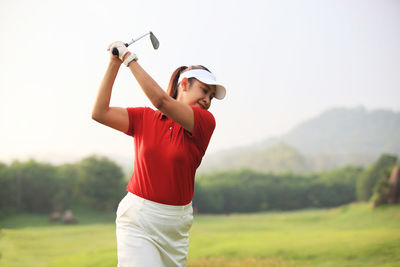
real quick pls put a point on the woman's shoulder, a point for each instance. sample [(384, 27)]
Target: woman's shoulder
[(140, 110), (203, 113), (203, 118)]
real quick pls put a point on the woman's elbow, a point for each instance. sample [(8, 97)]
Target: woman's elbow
[(96, 116)]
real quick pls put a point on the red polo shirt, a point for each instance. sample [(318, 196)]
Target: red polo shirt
[(166, 155)]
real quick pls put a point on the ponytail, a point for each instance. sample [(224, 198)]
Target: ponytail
[(172, 90)]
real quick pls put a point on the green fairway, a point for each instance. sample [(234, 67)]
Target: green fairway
[(352, 235)]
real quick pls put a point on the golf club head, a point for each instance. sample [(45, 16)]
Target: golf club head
[(154, 41)]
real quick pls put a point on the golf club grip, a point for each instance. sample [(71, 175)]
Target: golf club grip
[(115, 50)]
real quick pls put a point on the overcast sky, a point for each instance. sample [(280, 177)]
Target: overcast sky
[(282, 62)]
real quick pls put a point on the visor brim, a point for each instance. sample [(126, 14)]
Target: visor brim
[(220, 90)]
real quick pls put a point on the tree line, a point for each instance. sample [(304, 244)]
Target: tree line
[(98, 183), (94, 182), (250, 191)]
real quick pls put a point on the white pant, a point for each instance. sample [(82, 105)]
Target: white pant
[(152, 234)]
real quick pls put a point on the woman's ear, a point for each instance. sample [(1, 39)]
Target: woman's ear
[(185, 84)]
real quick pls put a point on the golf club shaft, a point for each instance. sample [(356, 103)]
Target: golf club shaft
[(134, 40), (115, 50)]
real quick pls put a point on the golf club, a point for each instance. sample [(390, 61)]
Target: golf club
[(153, 39)]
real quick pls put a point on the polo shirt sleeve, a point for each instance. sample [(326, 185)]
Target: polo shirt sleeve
[(135, 120), (204, 125)]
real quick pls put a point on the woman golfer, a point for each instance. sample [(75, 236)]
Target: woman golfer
[(154, 218)]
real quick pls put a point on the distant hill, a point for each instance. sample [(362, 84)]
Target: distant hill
[(347, 131), (335, 138), (276, 159)]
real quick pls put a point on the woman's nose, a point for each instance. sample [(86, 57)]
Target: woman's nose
[(207, 99)]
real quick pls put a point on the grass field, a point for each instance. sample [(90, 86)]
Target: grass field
[(351, 235)]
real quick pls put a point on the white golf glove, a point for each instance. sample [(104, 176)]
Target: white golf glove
[(120, 46)]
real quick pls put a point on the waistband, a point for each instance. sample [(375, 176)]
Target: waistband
[(159, 207)]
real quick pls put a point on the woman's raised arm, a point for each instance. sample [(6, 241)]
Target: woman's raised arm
[(180, 112), (114, 117)]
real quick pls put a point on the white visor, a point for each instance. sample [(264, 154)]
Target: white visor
[(207, 78)]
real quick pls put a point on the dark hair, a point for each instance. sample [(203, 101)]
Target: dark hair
[(173, 82)]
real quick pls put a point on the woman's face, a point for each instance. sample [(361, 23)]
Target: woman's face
[(198, 94)]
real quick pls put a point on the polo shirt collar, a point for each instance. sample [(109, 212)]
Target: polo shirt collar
[(161, 115)]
